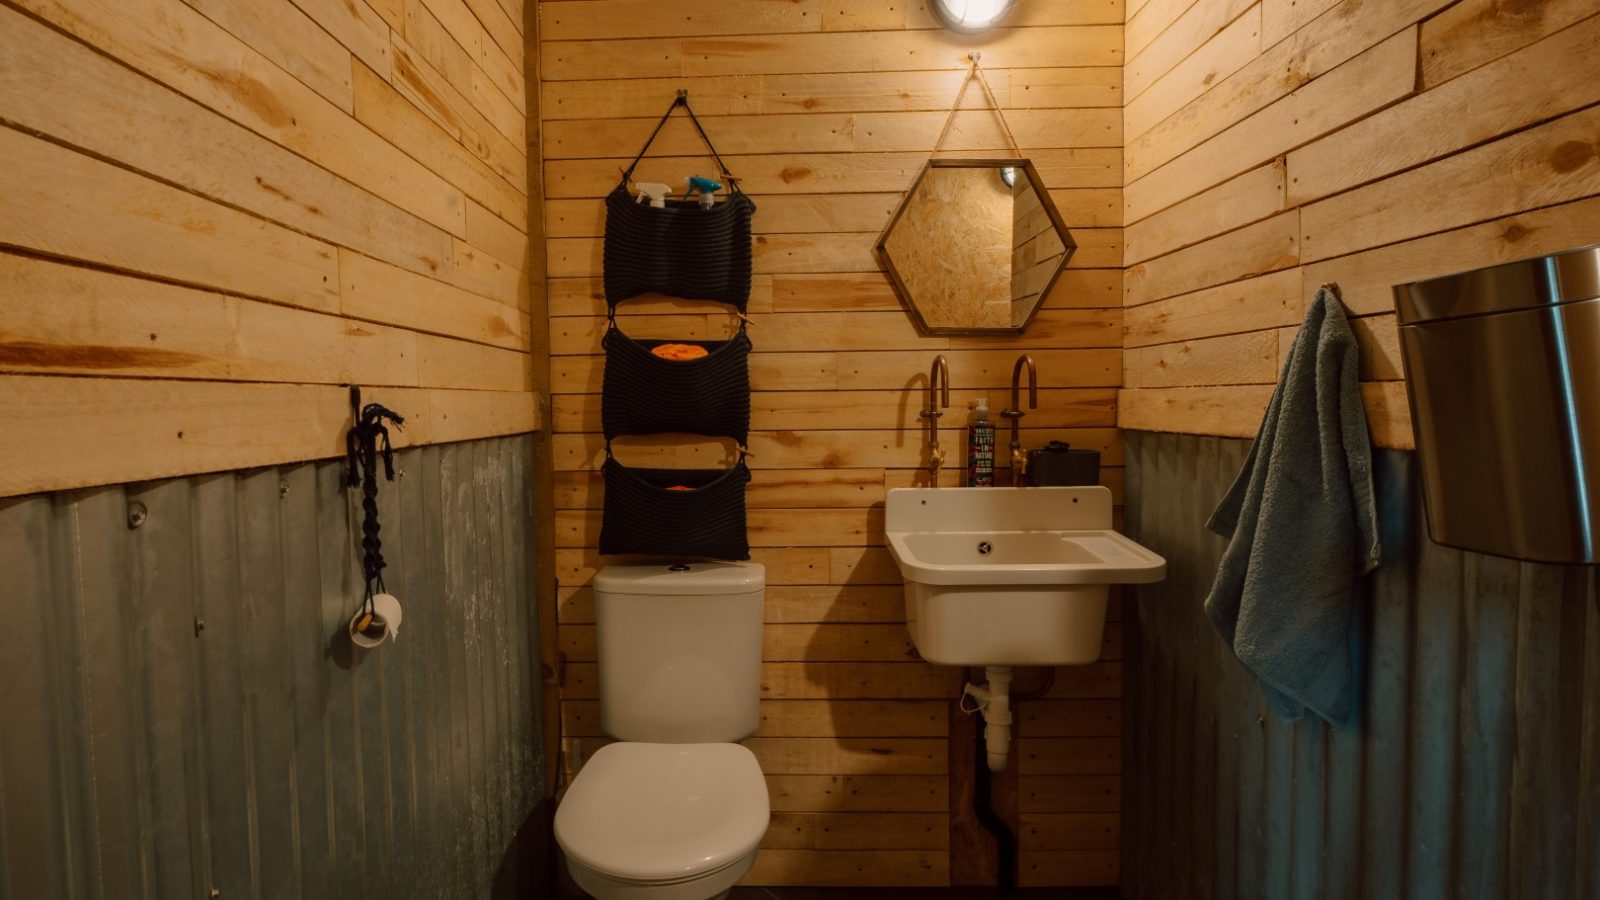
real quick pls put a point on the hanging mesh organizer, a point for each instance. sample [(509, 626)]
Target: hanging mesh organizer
[(681, 250), (687, 251), (645, 394), (647, 511)]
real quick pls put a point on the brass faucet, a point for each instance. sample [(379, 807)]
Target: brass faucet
[(938, 396), (1019, 460)]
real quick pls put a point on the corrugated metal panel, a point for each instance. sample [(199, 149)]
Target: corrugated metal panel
[(141, 759), (1474, 770)]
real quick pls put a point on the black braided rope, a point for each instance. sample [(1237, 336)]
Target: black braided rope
[(361, 445)]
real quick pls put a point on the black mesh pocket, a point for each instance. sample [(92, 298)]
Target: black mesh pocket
[(643, 514), (681, 250), (646, 394)]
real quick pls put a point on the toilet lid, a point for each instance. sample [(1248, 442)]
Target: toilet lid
[(663, 812)]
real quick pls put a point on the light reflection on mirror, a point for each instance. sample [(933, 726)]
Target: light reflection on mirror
[(974, 246)]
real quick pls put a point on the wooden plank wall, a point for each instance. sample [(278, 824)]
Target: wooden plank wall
[(827, 109), (1277, 145), (221, 210)]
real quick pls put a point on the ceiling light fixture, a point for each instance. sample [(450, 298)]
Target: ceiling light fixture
[(970, 16)]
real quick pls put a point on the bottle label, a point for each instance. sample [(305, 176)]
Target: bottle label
[(980, 456)]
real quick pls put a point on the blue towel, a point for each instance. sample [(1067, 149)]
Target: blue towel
[(1303, 526)]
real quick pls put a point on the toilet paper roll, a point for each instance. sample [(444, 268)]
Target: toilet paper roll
[(384, 622), (389, 607)]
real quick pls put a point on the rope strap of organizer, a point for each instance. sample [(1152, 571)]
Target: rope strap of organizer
[(361, 447), (683, 101), (983, 82), (611, 320), (744, 452)]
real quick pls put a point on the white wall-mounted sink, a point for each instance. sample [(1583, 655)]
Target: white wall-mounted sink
[(1010, 576)]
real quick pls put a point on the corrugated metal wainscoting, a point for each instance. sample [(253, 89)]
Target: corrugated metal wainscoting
[(179, 708), (1473, 770)]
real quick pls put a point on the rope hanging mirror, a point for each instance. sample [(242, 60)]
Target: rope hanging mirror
[(977, 243)]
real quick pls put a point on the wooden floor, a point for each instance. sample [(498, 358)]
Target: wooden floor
[(570, 892), (957, 893)]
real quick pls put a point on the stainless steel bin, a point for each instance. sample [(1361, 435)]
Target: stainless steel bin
[(1503, 373)]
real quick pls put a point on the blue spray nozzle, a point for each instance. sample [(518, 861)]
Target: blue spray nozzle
[(705, 187)]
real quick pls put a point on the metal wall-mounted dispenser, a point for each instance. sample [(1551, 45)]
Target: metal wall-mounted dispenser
[(1503, 373)]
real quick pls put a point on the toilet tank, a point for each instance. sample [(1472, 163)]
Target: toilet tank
[(680, 651)]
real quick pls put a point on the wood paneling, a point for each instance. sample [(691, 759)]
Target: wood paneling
[(1362, 144), (827, 109), (73, 432), (215, 213)]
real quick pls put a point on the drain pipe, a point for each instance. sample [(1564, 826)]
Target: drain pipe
[(994, 704), (991, 743)]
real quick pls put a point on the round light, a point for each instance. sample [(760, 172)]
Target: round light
[(970, 16)]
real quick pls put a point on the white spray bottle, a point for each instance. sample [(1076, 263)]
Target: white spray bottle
[(656, 191)]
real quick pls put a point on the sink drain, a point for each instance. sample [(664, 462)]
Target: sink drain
[(985, 548)]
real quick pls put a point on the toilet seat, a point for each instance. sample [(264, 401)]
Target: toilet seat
[(664, 813)]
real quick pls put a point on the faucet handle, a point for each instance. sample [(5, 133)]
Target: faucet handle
[(1019, 466)]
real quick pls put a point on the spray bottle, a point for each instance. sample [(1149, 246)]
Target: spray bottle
[(706, 188), (980, 446), (656, 191)]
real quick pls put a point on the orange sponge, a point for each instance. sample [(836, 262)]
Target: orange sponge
[(679, 352)]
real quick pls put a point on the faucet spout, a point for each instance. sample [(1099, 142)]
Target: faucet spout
[(1033, 381), (938, 398), (1019, 460)]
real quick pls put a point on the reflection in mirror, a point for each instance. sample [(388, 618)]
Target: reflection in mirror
[(974, 246)]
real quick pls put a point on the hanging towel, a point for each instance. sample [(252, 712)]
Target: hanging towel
[(1302, 526)]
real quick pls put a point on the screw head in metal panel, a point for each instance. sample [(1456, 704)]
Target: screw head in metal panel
[(283, 489), (137, 514)]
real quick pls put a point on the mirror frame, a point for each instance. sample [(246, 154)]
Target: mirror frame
[(880, 249)]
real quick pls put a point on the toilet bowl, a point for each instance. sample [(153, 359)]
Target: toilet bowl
[(676, 809), (663, 821)]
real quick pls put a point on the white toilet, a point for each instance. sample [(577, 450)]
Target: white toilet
[(676, 810)]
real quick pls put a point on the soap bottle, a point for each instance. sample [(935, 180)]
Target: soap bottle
[(980, 446)]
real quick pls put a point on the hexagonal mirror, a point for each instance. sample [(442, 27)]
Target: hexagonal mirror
[(975, 246)]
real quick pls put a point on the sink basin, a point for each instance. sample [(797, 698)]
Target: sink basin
[(1010, 576)]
